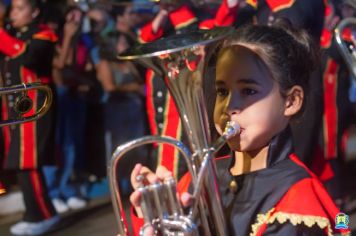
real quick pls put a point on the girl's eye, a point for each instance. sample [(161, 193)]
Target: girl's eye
[(222, 92), (248, 91)]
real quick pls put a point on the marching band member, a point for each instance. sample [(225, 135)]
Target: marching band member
[(337, 106), (261, 81), (26, 51)]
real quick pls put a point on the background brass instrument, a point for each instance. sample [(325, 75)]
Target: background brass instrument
[(183, 61), (23, 103), (348, 52)]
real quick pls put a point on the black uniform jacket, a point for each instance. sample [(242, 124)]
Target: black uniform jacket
[(283, 199), (26, 57)]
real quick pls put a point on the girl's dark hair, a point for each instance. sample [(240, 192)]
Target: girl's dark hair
[(36, 4), (290, 54)]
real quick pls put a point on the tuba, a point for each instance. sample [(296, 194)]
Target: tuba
[(348, 52), (24, 104), (183, 61)]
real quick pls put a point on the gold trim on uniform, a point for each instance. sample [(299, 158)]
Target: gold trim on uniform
[(283, 6), (261, 219), (164, 128), (184, 24), (252, 3), (176, 152), (294, 219)]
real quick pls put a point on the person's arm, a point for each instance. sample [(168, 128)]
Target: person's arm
[(154, 29), (11, 46), (70, 28), (225, 16)]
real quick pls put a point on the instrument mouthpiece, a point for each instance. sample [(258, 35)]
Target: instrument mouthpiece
[(231, 129)]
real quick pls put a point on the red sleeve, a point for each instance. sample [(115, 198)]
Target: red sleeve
[(11, 46), (182, 17), (145, 34), (306, 202), (136, 221), (225, 16)]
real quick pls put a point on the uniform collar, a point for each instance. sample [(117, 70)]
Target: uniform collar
[(280, 147)]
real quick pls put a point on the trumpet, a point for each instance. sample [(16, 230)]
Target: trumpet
[(23, 104), (348, 52), (183, 61)]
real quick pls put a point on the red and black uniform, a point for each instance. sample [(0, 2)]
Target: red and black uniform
[(308, 15), (336, 115), (162, 114), (285, 198), (26, 57)]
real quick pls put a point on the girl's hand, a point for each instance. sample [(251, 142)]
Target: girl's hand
[(149, 178)]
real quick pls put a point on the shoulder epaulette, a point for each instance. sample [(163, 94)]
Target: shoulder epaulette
[(45, 33), (277, 5), (252, 3)]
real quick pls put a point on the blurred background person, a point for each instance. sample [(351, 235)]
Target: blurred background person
[(124, 113), (329, 164), (69, 71), (27, 49)]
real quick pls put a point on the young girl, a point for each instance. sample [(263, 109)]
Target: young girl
[(261, 78)]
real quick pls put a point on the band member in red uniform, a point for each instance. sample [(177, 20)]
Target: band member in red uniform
[(162, 114), (261, 82), (337, 106), (26, 51)]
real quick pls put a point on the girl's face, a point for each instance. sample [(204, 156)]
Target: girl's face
[(247, 94), (22, 13)]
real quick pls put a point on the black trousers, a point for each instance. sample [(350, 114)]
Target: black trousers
[(37, 202)]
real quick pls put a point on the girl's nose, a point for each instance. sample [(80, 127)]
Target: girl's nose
[(233, 106)]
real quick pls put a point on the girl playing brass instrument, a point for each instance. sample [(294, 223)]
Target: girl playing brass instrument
[(261, 78)]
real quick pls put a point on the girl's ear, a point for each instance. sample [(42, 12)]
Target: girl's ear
[(294, 100)]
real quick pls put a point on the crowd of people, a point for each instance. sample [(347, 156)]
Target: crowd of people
[(101, 102)]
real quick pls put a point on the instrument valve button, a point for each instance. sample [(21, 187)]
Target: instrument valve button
[(159, 94), (7, 75), (8, 82), (160, 109), (160, 125)]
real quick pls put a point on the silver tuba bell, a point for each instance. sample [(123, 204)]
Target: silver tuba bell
[(183, 61), (348, 52)]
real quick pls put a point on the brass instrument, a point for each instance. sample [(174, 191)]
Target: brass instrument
[(23, 104), (183, 61), (348, 52)]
